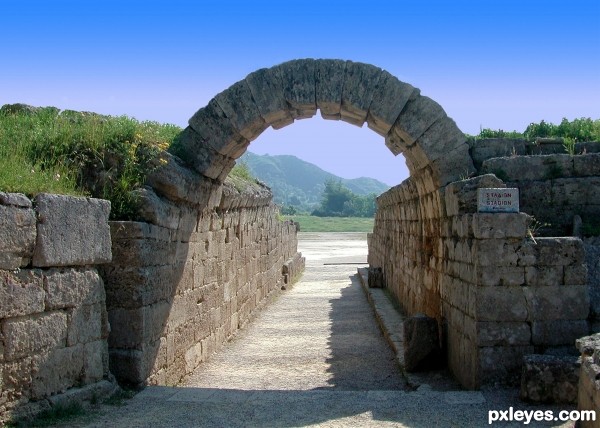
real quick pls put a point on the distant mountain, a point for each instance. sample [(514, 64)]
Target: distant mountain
[(299, 183)]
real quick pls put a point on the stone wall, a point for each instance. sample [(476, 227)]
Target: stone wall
[(591, 246), (175, 291), (53, 320), (554, 188), (588, 397), (179, 289), (498, 294)]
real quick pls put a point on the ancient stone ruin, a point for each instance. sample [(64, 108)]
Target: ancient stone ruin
[(208, 253)]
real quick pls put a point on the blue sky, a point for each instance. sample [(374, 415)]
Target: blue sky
[(492, 64)]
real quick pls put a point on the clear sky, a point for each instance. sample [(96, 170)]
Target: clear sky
[(497, 64)]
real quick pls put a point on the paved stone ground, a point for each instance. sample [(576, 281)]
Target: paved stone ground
[(313, 357)]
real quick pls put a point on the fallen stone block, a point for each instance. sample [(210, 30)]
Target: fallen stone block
[(375, 277), (550, 379), (422, 349)]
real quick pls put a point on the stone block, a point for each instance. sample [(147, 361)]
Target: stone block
[(544, 276), (549, 379), (499, 276), (128, 366), (24, 336), (171, 178), (441, 138), (397, 146), (588, 345), (557, 302), (298, 81), (15, 199), (123, 230), (575, 191), (21, 293), (389, 98), (421, 343), (502, 364), (68, 288), (558, 332), (193, 357), (156, 210), (360, 83), (71, 231), (16, 378), (214, 130), (503, 333), (136, 328), (238, 105), (416, 117), (461, 196), (144, 252), (491, 253), (140, 286), (501, 304), (587, 165), (18, 231), (267, 91), (375, 278), (533, 194), (496, 147), (85, 324), (196, 151), (500, 225), (91, 393), (530, 168), (455, 165), (95, 361), (56, 371), (329, 79)]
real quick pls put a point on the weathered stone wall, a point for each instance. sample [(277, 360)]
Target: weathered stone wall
[(554, 188), (588, 397), (53, 320), (498, 294), (179, 289), (591, 246), (407, 244), (488, 148)]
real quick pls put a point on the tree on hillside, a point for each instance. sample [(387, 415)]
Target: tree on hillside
[(339, 201), (334, 196)]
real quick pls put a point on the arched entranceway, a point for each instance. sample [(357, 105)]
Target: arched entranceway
[(435, 150), (410, 123), (438, 255)]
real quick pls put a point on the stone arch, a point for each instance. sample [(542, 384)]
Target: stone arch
[(435, 150), (408, 241), (356, 93)]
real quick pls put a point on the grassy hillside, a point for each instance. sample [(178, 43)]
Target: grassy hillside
[(78, 153), (300, 183)]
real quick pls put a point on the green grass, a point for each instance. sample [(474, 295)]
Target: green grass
[(79, 153), (310, 223)]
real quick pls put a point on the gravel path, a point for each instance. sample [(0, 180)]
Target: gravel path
[(313, 357)]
